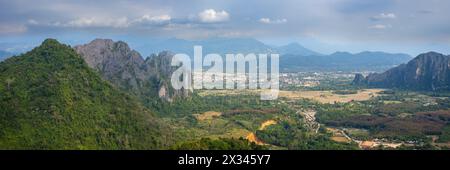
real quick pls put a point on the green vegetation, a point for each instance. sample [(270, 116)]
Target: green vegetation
[(50, 99), (396, 115), (218, 144), (329, 113), (239, 116), (293, 135), (445, 136), (199, 104), (345, 92)]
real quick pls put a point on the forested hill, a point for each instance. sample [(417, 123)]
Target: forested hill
[(51, 99)]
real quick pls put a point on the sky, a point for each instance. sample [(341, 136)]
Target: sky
[(326, 26)]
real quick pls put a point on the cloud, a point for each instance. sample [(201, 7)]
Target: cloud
[(12, 29), (380, 26), (154, 19), (32, 22), (105, 22), (269, 21), (264, 20), (353, 21), (212, 16), (384, 16), (121, 22)]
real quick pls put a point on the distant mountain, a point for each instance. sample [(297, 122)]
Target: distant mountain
[(213, 45), (125, 68), (293, 57), (429, 71), (342, 61), (296, 49), (223, 46), (4, 55), (51, 99)]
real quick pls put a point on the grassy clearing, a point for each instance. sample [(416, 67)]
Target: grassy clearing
[(330, 97), (207, 115)]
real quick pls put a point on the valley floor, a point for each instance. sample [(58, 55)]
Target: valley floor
[(328, 119)]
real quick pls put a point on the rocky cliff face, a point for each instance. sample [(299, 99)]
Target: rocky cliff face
[(429, 71), (115, 61), (359, 80), (159, 68), (126, 68)]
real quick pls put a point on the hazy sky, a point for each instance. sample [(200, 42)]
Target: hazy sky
[(408, 26)]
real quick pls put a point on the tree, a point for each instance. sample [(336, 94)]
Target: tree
[(8, 82)]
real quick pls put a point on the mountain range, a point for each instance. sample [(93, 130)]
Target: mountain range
[(212, 45), (429, 71), (223, 46), (149, 78), (293, 56), (342, 61)]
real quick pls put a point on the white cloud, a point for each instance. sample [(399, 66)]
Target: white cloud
[(32, 22), (211, 16), (265, 20), (121, 22), (269, 21), (95, 22), (380, 26), (384, 16), (154, 19)]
